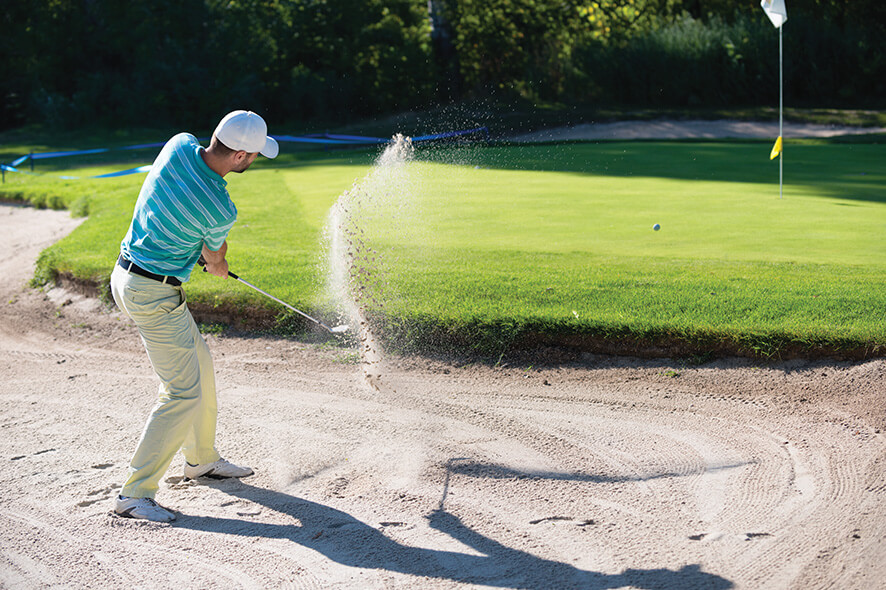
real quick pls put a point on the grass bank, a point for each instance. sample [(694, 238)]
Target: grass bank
[(497, 248)]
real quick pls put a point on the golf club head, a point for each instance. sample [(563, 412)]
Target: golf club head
[(340, 329)]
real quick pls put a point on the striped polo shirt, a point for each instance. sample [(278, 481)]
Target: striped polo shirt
[(182, 205)]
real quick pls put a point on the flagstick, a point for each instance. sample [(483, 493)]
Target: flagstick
[(780, 115)]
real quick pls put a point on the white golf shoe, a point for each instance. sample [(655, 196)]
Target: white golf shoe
[(142, 508), (220, 469)]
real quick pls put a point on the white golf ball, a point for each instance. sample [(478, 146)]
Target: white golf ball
[(656, 227)]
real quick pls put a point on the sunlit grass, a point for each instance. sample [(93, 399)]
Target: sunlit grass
[(497, 244)]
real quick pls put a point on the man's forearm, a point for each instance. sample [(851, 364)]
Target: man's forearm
[(215, 260)]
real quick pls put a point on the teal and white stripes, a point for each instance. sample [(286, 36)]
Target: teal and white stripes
[(182, 205)]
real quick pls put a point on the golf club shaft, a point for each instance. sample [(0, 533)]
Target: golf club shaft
[(280, 301), (202, 263)]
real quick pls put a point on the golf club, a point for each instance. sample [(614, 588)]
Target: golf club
[(336, 330)]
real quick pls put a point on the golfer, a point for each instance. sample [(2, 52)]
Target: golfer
[(183, 211)]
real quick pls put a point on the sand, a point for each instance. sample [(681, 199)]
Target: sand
[(553, 470), (693, 129)]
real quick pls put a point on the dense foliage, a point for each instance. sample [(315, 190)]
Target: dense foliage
[(169, 61), (80, 62)]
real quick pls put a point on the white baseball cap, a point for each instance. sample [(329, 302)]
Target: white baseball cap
[(244, 130)]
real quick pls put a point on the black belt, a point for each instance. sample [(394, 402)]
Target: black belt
[(135, 269)]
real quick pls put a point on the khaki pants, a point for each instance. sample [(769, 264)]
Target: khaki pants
[(185, 414)]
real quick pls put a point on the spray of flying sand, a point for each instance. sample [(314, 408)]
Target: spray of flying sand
[(372, 208)]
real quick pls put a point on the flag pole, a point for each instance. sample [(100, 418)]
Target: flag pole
[(780, 113)]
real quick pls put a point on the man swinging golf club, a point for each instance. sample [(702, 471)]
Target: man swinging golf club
[(183, 211)]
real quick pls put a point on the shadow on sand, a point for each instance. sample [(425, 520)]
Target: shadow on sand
[(345, 540)]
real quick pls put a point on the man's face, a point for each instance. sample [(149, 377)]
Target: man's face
[(245, 163)]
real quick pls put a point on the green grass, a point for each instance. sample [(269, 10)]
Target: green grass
[(281, 212), (500, 247), (571, 250)]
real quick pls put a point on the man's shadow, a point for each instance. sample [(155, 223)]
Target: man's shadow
[(345, 540)]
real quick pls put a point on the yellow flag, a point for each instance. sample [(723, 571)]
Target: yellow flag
[(776, 149)]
